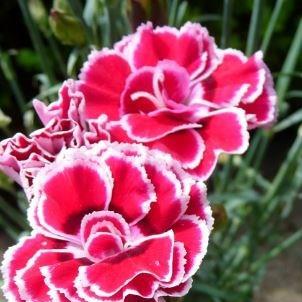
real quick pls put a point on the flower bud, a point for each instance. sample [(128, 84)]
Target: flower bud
[(65, 25)]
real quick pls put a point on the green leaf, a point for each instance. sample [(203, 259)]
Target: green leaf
[(28, 59), (226, 23), (173, 8), (289, 66), (13, 214), (37, 41), (277, 250), (5, 120), (181, 12), (9, 74), (39, 14), (5, 183), (254, 28), (289, 121), (215, 292), (272, 25)]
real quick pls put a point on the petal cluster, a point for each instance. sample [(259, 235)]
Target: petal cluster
[(22, 157), (111, 223), (172, 86)]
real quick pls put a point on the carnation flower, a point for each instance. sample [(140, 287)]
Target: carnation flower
[(114, 222), (175, 91), (22, 157)]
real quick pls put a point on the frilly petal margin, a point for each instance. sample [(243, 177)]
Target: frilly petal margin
[(17, 257), (224, 131)]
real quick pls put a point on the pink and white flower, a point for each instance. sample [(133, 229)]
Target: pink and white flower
[(116, 222), (175, 91), (22, 157)]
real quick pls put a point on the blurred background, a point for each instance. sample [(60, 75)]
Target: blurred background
[(255, 252)]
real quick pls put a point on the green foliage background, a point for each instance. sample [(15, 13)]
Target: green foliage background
[(44, 42)]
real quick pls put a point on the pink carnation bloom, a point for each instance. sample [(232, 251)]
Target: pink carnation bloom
[(115, 222), (175, 91), (22, 157)]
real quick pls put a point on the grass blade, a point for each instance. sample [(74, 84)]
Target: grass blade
[(172, 12), (291, 161), (289, 66), (254, 28), (37, 41), (181, 12), (277, 250), (10, 76), (291, 120), (215, 292), (294, 94), (13, 214), (78, 9), (271, 25), (226, 23)]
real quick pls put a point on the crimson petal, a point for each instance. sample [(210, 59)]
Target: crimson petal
[(186, 146), (71, 187), (223, 131), (16, 258), (132, 192), (102, 91), (188, 227), (144, 128), (30, 281), (152, 256), (170, 200), (237, 78)]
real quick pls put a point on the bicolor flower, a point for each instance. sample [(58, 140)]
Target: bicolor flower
[(116, 222)]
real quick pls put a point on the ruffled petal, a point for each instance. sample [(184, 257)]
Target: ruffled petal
[(132, 193), (57, 135), (223, 131), (185, 229), (190, 47), (176, 291), (263, 111), (16, 258), (198, 204), (71, 187), (185, 146), (102, 245), (144, 128), (61, 283), (102, 91), (17, 152), (117, 133), (70, 105), (103, 221), (179, 261), (237, 78), (152, 256), (170, 200), (138, 89), (29, 279)]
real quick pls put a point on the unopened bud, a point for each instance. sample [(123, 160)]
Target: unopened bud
[(67, 28)]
